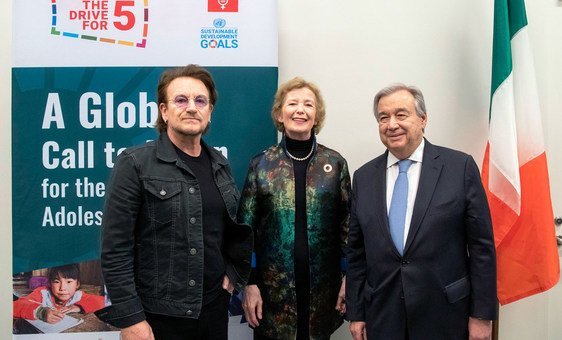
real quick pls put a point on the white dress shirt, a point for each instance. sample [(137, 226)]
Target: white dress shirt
[(413, 181)]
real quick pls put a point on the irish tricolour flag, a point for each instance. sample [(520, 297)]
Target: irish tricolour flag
[(515, 172)]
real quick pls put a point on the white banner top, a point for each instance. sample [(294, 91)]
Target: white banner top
[(86, 33)]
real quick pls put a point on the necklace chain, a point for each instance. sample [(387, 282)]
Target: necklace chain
[(303, 158)]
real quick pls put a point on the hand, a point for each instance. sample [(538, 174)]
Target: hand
[(340, 304), (479, 329), (138, 331), (70, 309), (226, 285), (252, 305), (53, 316), (357, 329)]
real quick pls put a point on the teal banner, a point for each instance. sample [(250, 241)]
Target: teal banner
[(69, 124)]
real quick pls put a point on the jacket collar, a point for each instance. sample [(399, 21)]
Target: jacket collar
[(166, 152)]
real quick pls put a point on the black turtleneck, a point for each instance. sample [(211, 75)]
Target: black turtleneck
[(301, 149)]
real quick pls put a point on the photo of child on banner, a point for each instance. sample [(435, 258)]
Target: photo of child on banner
[(58, 301)]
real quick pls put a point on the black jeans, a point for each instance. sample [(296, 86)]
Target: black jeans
[(211, 325), (262, 337)]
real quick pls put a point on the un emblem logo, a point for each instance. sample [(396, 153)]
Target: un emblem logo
[(219, 22)]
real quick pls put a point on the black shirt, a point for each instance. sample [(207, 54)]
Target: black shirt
[(301, 149), (214, 221)]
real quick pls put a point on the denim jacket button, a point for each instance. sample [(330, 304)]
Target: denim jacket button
[(162, 192), (192, 220), (189, 312), (192, 283), (191, 190), (193, 251)]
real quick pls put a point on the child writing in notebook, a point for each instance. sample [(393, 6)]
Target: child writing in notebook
[(50, 304)]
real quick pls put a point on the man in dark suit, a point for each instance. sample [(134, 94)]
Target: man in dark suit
[(421, 256)]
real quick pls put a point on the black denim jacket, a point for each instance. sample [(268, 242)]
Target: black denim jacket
[(152, 239)]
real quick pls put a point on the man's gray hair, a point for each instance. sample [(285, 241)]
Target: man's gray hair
[(418, 97)]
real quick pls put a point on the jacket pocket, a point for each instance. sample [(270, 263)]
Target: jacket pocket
[(447, 207), (458, 290), (163, 199)]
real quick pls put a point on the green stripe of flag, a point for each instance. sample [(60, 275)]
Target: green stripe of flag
[(517, 16), (509, 18)]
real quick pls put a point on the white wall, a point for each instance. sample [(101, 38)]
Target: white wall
[(352, 49), (5, 170)]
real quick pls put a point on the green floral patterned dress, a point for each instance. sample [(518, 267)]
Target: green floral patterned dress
[(268, 205)]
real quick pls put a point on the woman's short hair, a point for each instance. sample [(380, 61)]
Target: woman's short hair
[(294, 84), (190, 71)]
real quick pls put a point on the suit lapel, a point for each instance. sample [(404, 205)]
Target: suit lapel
[(430, 172), (379, 191)]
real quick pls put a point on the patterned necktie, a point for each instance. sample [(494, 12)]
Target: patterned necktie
[(398, 205)]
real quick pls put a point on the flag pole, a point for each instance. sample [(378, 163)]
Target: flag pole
[(496, 326)]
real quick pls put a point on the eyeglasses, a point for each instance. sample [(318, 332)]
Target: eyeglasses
[(182, 101)]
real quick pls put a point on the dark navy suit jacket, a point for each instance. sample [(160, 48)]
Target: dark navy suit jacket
[(448, 270)]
